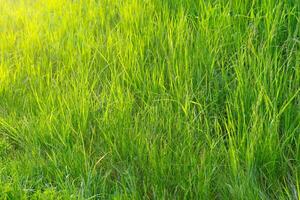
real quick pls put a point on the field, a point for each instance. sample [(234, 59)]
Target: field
[(149, 99)]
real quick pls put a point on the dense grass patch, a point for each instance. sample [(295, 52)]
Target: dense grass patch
[(149, 99)]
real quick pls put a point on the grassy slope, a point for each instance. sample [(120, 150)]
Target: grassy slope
[(149, 99)]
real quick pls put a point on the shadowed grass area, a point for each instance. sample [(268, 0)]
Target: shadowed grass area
[(149, 99)]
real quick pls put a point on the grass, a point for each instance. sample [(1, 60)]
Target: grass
[(149, 99)]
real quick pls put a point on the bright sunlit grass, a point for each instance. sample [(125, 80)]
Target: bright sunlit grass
[(149, 99)]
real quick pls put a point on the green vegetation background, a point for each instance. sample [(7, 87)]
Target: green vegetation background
[(149, 99)]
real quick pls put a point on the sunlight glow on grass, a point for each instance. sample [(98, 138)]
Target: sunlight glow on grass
[(149, 99)]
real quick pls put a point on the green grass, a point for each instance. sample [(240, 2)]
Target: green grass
[(149, 99)]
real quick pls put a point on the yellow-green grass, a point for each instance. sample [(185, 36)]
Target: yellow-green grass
[(149, 99)]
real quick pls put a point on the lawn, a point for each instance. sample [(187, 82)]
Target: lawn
[(150, 99)]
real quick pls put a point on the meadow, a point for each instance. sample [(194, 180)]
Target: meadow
[(149, 99)]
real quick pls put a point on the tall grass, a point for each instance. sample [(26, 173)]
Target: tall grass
[(149, 99)]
